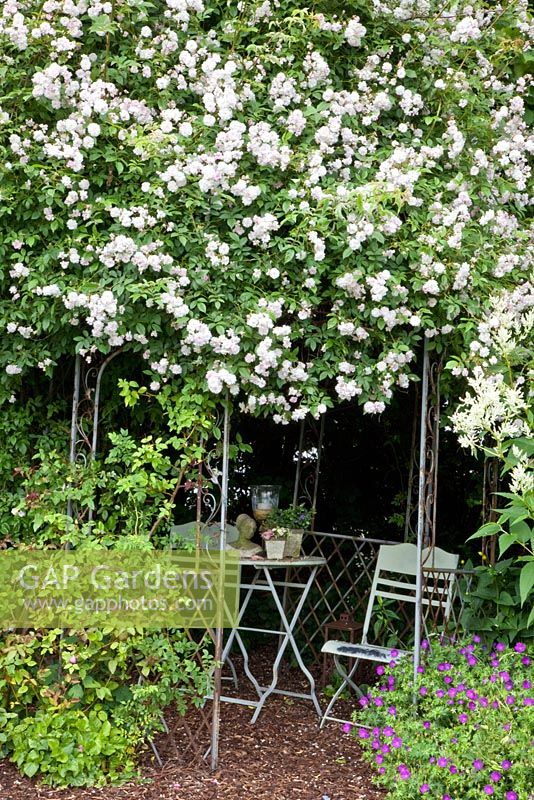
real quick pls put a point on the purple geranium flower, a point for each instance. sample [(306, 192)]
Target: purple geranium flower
[(424, 788), (488, 789)]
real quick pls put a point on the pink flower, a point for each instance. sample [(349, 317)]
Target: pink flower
[(267, 535), (73, 660)]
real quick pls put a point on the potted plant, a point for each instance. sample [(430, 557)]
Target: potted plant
[(275, 542), (295, 520)]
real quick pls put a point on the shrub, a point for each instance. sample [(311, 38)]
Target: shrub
[(472, 735), (75, 708)]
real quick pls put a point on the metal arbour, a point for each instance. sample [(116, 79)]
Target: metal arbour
[(350, 559)]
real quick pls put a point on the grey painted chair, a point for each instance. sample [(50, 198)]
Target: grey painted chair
[(394, 579)]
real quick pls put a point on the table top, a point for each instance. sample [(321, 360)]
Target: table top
[(301, 561)]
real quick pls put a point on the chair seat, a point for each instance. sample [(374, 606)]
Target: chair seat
[(371, 652)]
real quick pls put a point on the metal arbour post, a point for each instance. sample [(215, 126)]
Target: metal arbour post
[(428, 478), (489, 505), (420, 518), (219, 631)]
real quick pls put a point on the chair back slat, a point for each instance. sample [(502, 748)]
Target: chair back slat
[(401, 559)]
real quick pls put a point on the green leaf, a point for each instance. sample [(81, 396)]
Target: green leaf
[(76, 691), (30, 769), (102, 24), (506, 540), (521, 531), (506, 599), (489, 529), (526, 581)]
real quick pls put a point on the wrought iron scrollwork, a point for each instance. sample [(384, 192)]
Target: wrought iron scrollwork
[(432, 453), (308, 462), (85, 417), (210, 489)]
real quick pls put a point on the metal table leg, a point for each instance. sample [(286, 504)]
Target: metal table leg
[(285, 639)]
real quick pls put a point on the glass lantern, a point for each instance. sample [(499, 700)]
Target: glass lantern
[(264, 500)]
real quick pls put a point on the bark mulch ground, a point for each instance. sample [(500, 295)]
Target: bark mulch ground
[(284, 756)]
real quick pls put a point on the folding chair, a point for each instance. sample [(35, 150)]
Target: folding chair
[(394, 579)]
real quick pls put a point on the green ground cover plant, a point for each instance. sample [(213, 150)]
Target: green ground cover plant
[(76, 707)]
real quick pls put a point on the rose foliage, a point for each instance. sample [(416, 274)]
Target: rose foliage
[(263, 197)]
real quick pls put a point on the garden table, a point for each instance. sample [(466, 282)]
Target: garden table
[(263, 581)]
